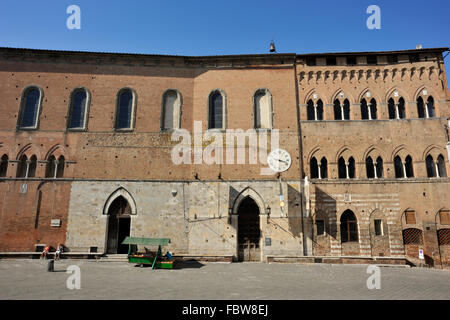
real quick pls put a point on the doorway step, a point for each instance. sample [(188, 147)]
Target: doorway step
[(114, 258)]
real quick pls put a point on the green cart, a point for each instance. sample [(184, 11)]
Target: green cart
[(153, 258)]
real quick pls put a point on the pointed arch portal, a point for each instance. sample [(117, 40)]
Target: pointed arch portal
[(119, 222), (249, 231)]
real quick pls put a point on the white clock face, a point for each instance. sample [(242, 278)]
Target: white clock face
[(279, 160)]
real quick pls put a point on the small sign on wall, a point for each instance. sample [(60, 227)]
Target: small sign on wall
[(23, 188), (421, 254), (55, 223), (268, 242)]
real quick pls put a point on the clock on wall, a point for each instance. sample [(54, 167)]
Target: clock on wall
[(279, 160)]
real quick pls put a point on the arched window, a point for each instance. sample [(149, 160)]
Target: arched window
[(420, 107), (171, 110), (392, 109), (32, 167), (78, 109), (409, 167), (4, 165), (323, 168), (50, 167), (349, 227), (441, 166), (430, 108), (310, 110), (315, 111), (337, 110), (60, 167), (370, 168), (401, 108), (379, 168), (314, 168), (319, 110), (22, 167), (431, 169), (263, 109), (29, 113), (373, 109), (216, 111), (342, 168), (125, 110), (346, 110), (364, 110), (351, 168), (398, 165)]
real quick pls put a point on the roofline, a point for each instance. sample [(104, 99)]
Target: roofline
[(237, 56), (439, 49), (142, 55)]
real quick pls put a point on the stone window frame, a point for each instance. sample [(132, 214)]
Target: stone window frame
[(3, 166), (381, 226), (397, 109), (342, 104), (315, 105), (180, 97), (23, 105), (271, 115), (369, 110), (133, 110), (24, 163), (324, 233), (355, 223), (224, 110), (346, 167), (377, 166), (86, 110)]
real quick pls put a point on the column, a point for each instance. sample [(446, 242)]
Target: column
[(397, 116), (437, 169), (28, 167), (404, 169), (320, 173), (375, 170), (56, 169), (346, 170), (315, 111), (369, 111)]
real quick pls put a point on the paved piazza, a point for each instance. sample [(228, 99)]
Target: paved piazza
[(28, 279)]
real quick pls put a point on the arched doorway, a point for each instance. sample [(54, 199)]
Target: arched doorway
[(249, 232), (119, 213)]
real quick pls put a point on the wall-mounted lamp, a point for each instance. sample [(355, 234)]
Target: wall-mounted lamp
[(268, 213), (174, 192), (230, 212)]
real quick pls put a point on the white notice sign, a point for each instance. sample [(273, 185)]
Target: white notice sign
[(421, 254)]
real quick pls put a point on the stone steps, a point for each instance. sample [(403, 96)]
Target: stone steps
[(114, 258)]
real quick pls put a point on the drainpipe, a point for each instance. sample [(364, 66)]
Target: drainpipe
[(300, 155)]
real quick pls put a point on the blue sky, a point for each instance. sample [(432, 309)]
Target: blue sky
[(201, 27)]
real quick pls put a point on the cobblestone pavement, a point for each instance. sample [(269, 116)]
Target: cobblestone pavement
[(28, 279)]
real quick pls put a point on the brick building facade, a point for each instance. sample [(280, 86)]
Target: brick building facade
[(87, 141)]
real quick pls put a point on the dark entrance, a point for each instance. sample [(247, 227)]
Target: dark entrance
[(249, 232), (118, 225)]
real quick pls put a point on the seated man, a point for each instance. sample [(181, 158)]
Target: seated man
[(58, 252)]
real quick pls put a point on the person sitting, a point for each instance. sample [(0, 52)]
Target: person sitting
[(45, 252), (58, 252)]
